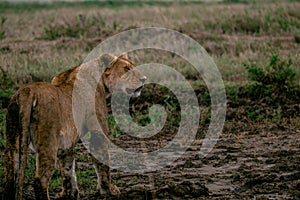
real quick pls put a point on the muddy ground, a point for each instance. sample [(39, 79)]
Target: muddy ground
[(253, 159)]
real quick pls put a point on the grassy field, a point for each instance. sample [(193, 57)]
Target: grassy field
[(255, 44)]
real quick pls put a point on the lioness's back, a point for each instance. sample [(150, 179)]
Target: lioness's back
[(40, 95)]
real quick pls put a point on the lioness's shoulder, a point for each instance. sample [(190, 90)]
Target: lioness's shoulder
[(65, 77)]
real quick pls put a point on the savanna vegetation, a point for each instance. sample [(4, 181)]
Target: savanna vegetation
[(256, 46)]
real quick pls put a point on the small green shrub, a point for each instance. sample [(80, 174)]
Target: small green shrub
[(277, 73), (276, 78), (232, 93), (256, 115)]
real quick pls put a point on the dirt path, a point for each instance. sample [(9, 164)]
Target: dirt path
[(264, 166)]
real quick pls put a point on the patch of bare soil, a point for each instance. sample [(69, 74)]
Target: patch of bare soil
[(264, 165)]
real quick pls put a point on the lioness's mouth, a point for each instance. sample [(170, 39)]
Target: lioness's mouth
[(138, 89), (134, 91)]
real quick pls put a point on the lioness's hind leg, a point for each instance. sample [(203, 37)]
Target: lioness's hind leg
[(11, 170), (11, 156), (67, 168), (45, 164)]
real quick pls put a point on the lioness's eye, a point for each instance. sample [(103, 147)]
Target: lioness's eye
[(126, 69)]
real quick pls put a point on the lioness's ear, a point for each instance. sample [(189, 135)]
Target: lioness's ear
[(124, 56), (106, 59)]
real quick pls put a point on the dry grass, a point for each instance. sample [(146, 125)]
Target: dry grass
[(233, 34), (199, 17)]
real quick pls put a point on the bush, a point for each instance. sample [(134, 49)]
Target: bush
[(277, 78)]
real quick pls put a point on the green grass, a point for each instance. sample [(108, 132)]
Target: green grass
[(232, 93)]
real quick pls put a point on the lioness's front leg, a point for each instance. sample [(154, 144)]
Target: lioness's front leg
[(100, 158)]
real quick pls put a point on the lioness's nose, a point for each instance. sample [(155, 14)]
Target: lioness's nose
[(143, 79)]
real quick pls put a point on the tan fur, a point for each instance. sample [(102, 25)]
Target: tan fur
[(41, 114)]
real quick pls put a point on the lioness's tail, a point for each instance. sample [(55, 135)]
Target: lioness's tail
[(17, 134)]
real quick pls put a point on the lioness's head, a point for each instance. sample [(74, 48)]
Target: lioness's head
[(121, 74)]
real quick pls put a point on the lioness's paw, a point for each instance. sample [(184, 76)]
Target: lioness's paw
[(114, 190), (108, 191), (64, 196)]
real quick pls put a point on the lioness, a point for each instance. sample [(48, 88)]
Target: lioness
[(40, 114)]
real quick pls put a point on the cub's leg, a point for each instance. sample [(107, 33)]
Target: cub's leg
[(67, 168), (100, 157), (45, 164)]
